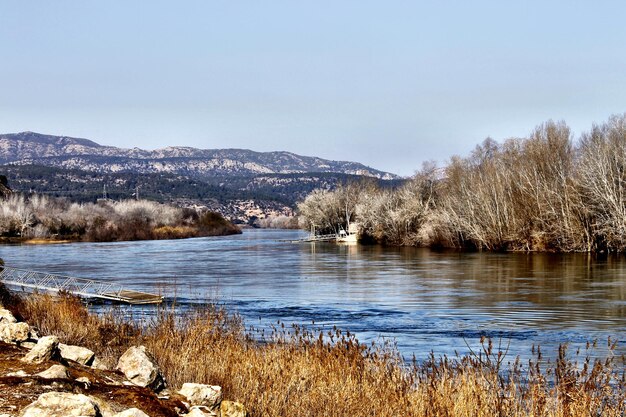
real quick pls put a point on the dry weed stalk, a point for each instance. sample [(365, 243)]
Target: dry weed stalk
[(294, 371)]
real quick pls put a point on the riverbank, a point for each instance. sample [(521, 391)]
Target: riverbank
[(42, 377), (41, 241), (296, 372), (161, 233), (157, 235), (544, 192), (41, 220)]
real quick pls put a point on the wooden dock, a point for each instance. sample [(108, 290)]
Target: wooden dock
[(87, 288), (135, 297)]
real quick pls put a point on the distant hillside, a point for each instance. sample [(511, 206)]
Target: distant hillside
[(236, 197), (29, 148)]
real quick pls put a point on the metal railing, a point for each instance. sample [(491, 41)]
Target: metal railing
[(57, 283), (318, 238)]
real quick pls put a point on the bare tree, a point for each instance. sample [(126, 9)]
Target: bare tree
[(397, 216), (478, 200), (16, 215), (603, 181), (550, 199), (535, 193), (330, 211)]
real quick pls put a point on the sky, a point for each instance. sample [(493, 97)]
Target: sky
[(389, 83)]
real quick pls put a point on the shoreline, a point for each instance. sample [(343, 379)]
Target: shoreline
[(297, 372), (65, 240), (46, 241)]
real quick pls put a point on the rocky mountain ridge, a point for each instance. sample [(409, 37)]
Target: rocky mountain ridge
[(29, 148)]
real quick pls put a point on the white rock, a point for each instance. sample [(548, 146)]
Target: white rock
[(201, 394), (28, 345), (19, 373), (132, 412), (78, 354), (47, 348), (141, 369), (54, 372), (199, 411), (11, 332), (33, 334), (84, 380), (7, 316), (97, 364), (62, 404)]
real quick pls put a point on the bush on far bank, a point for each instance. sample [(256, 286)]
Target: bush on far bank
[(542, 192), (41, 217)]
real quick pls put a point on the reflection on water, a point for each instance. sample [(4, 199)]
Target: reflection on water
[(423, 300)]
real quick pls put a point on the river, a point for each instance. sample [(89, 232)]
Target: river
[(419, 299)]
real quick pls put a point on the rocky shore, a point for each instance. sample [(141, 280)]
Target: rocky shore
[(40, 377), (59, 359)]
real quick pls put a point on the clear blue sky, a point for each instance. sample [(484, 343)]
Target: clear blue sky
[(386, 83)]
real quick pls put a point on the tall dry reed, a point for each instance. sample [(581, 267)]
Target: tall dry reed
[(295, 372)]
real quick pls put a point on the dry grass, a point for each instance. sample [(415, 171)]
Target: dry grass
[(67, 317), (299, 373), (39, 220), (46, 241), (173, 232)]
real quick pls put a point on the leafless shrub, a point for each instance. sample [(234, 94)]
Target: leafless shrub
[(397, 217), (329, 211), (278, 222), (39, 232), (40, 217), (539, 193), (550, 200), (602, 182), (16, 215)]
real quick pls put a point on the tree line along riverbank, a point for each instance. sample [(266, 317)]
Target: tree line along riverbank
[(41, 219), (292, 371), (545, 192)]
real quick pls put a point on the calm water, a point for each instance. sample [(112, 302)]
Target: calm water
[(421, 299)]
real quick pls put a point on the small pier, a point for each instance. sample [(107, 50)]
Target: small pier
[(88, 288), (341, 236), (317, 238)]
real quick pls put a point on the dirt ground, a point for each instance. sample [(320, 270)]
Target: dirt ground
[(105, 386)]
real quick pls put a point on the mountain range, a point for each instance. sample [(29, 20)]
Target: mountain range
[(29, 148), (242, 185)]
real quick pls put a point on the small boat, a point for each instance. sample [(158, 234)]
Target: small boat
[(351, 237)]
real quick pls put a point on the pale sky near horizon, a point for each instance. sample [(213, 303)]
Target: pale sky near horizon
[(390, 84)]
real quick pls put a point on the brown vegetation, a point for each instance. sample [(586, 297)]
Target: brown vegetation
[(277, 222), (297, 372), (540, 193), (39, 218)]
